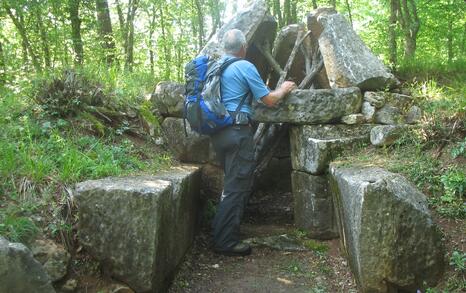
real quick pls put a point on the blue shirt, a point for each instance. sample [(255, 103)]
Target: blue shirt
[(237, 80)]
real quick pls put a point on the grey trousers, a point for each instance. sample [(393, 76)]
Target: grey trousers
[(235, 151)]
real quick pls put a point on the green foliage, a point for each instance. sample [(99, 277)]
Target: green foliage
[(459, 150), (15, 226), (315, 246), (454, 184), (458, 261), (40, 156)]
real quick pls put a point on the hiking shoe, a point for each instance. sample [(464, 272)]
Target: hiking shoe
[(240, 249)]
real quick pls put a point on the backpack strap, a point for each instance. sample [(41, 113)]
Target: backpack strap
[(222, 68)]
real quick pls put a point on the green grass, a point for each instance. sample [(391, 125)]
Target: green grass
[(42, 156)]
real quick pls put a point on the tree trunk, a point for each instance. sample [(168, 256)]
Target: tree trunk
[(121, 20), (2, 66), (392, 32), (294, 12), (216, 17), (450, 40), (287, 10), (73, 7), (105, 30), (463, 43), (200, 20), (314, 4), (151, 38), (333, 3), (166, 52), (410, 24), (19, 24), (130, 37), (277, 12), (348, 7), (43, 38)]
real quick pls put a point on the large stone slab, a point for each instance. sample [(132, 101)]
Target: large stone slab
[(312, 106), (313, 205), (314, 146), (168, 98), (387, 230), (20, 272), (140, 227), (190, 148), (247, 20), (348, 61)]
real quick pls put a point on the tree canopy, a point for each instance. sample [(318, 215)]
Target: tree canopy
[(159, 37)]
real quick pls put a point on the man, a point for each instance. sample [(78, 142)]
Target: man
[(234, 144)]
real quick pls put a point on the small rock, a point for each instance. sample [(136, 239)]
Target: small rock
[(20, 271), (353, 119), (389, 115), (70, 285), (368, 111), (385, 134), (376, 99), (216, 266), (414, 115), (52, 256)]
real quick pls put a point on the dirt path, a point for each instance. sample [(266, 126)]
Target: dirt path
[(265, 270)]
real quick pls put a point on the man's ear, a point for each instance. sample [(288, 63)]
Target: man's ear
[(243, 51)]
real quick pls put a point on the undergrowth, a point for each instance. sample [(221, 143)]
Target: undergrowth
[(42, 156)]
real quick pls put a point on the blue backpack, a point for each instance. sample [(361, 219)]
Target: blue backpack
[(203, 107)]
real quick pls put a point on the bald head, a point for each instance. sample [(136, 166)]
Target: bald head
[(233, 41)]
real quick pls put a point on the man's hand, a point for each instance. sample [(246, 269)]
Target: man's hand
[(275, 96), (288, 86)]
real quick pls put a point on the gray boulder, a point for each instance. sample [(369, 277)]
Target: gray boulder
[(385, 135), (52, 256), (248, 21), (193, 148), (347, 59), (139, 228), (375, 99), (168, 98), (414, 115), (392, 108), (389, 115), (312, 106), (314, 146), (20, 272), (387, 230), (368, 111), (313, 205), (352, 119)]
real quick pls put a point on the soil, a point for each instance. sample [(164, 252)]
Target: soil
[(266, 269)]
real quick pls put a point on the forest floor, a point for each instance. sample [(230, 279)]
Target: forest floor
[(321, 269)]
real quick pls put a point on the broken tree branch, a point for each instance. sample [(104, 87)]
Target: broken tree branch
[(268, 56), (307, 80), (287, 67)]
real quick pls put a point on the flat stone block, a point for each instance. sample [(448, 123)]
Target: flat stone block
[(313, 205), (314, 146), (140, 227)]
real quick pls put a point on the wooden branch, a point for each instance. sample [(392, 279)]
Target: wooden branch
[(287, 68), (305, 83), (307, 60), (268, 56)]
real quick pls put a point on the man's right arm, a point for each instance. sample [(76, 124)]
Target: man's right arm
[(278, 94)]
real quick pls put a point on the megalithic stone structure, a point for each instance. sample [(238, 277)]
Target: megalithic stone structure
[(348, 61)]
